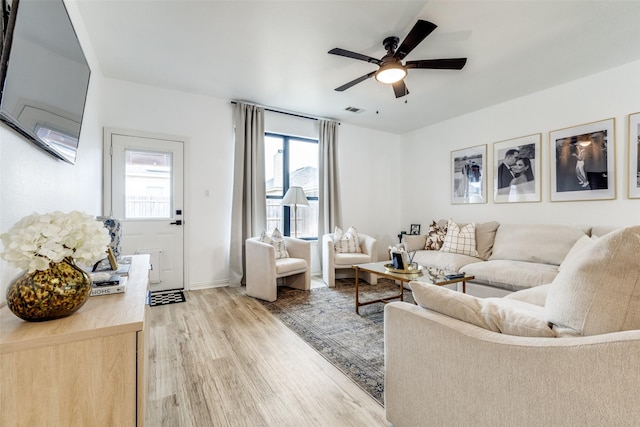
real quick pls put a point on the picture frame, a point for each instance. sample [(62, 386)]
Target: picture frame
[(397, 261), (582, 162), (415, 229), (516, 169), (634, 156), (468, 175)]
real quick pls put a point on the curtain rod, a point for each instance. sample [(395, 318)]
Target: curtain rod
[(284, 112)]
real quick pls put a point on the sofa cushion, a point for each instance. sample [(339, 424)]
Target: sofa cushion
[(536, 295), (287, 266), (509, 317), (547, 244), (347, 259), (599, 292), (601, 230), (435, 237), (485, 236), (576, 251), (511, 275), (444, 260), (277, 241), (346, 242), (460, 240), (414, 243)]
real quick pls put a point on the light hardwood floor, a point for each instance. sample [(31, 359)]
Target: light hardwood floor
[(221, 359)]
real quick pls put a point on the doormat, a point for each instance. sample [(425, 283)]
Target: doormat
[(165, 297)]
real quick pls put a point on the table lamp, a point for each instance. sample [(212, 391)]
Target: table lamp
[(295, 196)]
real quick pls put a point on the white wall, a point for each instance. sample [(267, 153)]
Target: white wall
[(207, 124), (32, 180), (370, 183), (614, 93)]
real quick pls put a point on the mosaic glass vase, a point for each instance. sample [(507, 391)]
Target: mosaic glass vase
[(49, 294)]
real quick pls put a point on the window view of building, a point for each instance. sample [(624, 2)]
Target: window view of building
[(291, 161)]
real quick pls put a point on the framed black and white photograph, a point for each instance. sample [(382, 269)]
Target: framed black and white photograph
[(516, 170), (415, 229), (468, 175), (582, 162), (634, 156)]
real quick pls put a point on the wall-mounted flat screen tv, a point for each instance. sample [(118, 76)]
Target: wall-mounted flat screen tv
[(44, 75)]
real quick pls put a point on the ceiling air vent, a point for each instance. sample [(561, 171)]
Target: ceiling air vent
[(354, 109)]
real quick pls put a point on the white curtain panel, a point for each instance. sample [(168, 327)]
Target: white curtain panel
[(248, 209), (330, 213)]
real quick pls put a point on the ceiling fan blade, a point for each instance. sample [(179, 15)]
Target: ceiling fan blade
[(418, 33), (400, 89), (353, 55), (355, 82), (438, 64)]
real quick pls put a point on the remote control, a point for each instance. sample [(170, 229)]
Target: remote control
[(454, 276)]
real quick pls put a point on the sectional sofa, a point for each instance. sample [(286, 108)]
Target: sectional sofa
[(509, 257), (563, 353)]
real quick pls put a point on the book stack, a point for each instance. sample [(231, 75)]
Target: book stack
[(110, 282)]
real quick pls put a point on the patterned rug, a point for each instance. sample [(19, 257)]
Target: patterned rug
[(326, 319)]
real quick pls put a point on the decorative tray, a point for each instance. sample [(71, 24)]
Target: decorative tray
[(389, 267)]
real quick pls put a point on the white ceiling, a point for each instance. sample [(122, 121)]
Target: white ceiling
[(274, 53)]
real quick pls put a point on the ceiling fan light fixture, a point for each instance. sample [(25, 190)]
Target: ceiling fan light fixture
[(391, 73)]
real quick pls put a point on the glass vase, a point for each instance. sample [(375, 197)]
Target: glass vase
[(49, 294)]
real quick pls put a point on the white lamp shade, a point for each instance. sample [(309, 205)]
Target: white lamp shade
[(295, 196)]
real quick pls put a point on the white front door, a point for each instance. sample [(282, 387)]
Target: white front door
[(144, 190)]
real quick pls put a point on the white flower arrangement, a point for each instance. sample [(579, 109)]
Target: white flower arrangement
[(36, 241)]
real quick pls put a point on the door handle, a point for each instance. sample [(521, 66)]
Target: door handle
[(176, 222)]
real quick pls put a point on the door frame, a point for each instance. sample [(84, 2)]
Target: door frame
[(107, 205)]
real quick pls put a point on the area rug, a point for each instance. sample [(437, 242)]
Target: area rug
[(326, 319)]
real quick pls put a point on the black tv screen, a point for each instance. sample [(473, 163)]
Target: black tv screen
[(44, 76)]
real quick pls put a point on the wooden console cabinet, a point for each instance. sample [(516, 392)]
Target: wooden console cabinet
[(87, 369)]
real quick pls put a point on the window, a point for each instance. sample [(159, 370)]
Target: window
[(147, 185), (291, 161)]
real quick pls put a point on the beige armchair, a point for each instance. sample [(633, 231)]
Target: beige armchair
[(332, 261), (263, 269)]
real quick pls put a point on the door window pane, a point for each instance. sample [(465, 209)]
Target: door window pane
[(147, 185)]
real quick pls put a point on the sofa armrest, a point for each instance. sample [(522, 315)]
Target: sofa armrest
[(447, 372), (298, 248), (260, 269), (369, 246), (261, 255), (328, 250), (328, 261)]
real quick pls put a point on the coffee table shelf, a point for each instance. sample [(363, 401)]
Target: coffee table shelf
[(428, 275)]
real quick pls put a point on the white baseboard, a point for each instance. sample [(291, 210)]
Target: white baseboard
[(208, 285)]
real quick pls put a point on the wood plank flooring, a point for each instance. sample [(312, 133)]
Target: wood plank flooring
[(221, 359)]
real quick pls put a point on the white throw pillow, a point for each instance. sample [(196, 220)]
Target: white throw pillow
[(346, 242), (460, 240), (576, 251), (277, 241), (508, 317), (413, 242), (599, 291)]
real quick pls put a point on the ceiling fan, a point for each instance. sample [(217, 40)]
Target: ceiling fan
[(391, 69)]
